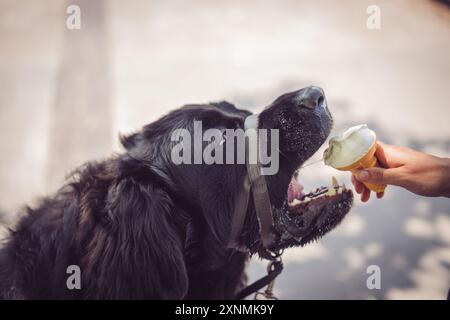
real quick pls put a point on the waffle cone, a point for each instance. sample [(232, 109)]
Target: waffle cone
[(368, 160)]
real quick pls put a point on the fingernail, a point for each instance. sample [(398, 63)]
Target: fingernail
[(362, 175)]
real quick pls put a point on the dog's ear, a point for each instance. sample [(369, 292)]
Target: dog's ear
[(137, 251), (129, 141)]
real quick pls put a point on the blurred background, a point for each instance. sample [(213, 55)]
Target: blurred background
[(66, 94)]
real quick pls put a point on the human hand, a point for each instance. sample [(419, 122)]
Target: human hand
[(418, 172)]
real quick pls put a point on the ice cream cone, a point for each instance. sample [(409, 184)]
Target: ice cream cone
[(367, 160), (354, 150)]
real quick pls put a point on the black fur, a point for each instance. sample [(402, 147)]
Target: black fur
[(140, 227), (129, 226)]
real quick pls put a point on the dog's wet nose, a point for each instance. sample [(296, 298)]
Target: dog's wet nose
[(311, 97)]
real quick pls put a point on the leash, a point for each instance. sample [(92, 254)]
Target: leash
[(274, 268), (255, 183)]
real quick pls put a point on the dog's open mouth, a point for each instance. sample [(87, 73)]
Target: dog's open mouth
[(305, 123), (308, 216), (298, 199)]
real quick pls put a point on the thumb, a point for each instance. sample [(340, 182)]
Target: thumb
[(378, 175)]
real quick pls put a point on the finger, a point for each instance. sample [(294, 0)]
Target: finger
[(356, 184), (380, 195), (381, 155), (359, 187), (365, 196), (380, 175)]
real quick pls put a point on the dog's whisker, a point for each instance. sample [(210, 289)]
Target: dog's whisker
[(284, 155)]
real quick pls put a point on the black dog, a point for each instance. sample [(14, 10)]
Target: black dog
[(140, 227)]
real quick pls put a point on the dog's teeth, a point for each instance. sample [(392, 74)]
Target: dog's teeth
[(294, 202), (334, 181), (306, 199), (331, 191)]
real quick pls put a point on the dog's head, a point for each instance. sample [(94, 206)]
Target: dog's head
[(203, 168)]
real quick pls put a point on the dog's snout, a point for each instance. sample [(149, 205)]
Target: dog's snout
[(311, 97)]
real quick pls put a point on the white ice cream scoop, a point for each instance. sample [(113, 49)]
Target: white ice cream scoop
[(349, 147), (352, 151)]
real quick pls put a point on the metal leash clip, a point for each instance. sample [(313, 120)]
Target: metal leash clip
[(268, 293)]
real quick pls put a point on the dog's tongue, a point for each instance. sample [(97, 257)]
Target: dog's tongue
[(295, 190)]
